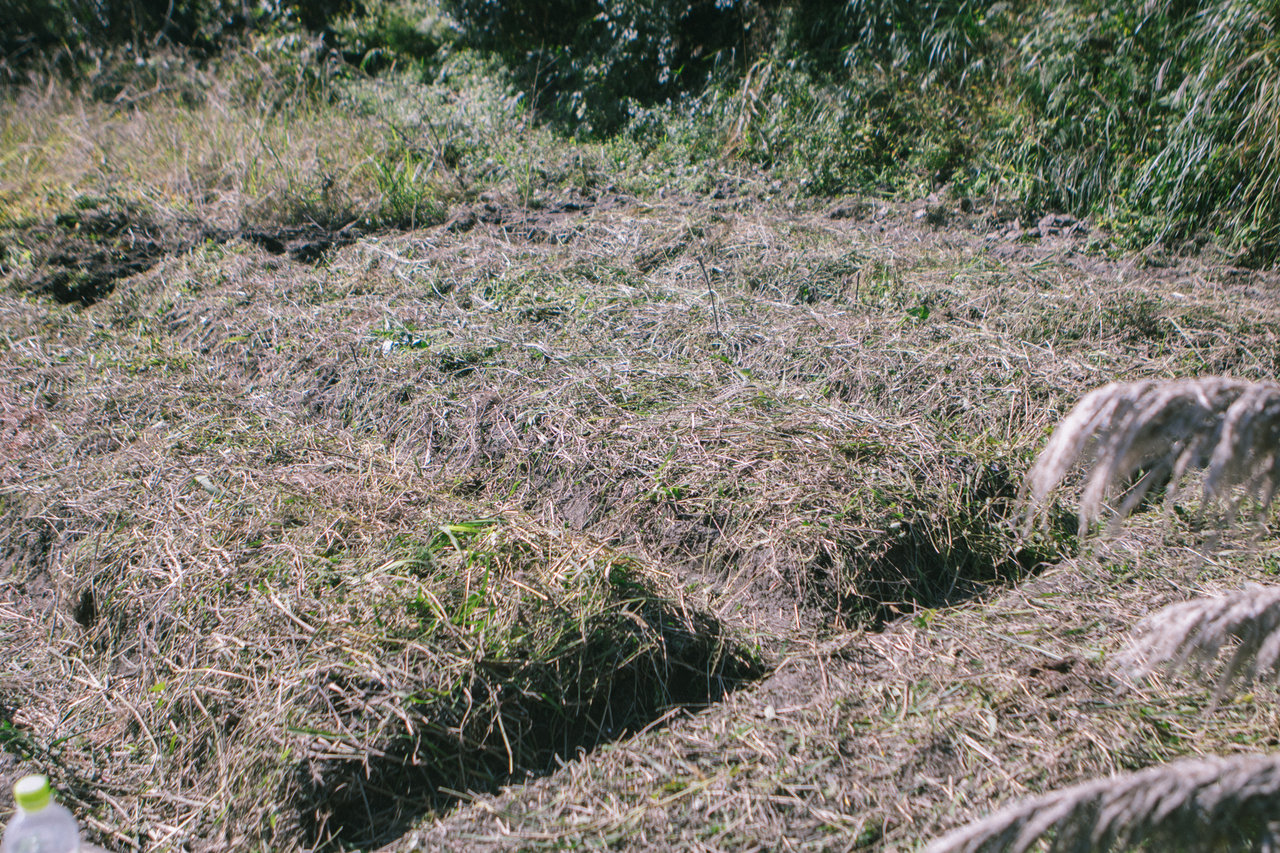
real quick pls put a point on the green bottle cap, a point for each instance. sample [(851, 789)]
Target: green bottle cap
[(32, 793)]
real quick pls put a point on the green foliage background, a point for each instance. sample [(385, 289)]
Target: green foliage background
[(1158, 118)]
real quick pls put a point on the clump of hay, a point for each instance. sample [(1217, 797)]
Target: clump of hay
[(1213, 803), (1246, 622), (1144, 434)]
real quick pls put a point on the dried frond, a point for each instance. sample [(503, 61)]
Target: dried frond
[(1156, 431), (1197, 803), (1196, 631)]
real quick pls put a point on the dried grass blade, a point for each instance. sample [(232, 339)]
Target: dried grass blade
[(1246, 621)]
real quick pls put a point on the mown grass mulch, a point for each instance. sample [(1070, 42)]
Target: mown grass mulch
[(886, 740), (300, 555)]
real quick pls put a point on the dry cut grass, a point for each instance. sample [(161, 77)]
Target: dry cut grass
[(300, 555), (332, 545), (883, 740), (319, 646)]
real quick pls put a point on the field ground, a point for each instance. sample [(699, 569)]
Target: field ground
[(587, 519)]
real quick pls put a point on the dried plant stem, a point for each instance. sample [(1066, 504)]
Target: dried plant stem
[(1247, 621), (1198, 803), (1143, 434)]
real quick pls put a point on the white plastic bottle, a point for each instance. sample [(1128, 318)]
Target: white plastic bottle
[(39, 825)]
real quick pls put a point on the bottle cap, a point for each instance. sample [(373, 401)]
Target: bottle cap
[(32, 793)]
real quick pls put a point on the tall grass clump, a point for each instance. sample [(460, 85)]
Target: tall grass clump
[(1158, 117), (906, 86), (873, 96), (858, 135), (939, 39), (1221, 164), (1097, 78), (870, 95)]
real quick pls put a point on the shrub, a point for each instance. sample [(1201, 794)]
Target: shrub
[(1159, 116), (583, 63), (69, 32), (390, 31)]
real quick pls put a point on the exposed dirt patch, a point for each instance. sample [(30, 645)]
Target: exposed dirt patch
[(306, 245), (80, 256), (1066, 675), (550, 220)]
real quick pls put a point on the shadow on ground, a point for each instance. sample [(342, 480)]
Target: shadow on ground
[(441, 756)]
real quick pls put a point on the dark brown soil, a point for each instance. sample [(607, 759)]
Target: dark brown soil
[(79, 257)]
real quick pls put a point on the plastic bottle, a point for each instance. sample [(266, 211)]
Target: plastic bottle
[(39, 825)]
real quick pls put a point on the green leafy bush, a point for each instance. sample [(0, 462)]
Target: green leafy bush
[(1159, 117), (390, 32), (71, 32), (936, 39), (585, 63)]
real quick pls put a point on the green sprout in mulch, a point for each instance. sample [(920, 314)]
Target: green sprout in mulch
[(507, 651)]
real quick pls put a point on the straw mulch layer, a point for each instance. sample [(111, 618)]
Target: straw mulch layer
[(885, 741), (298, 554)]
